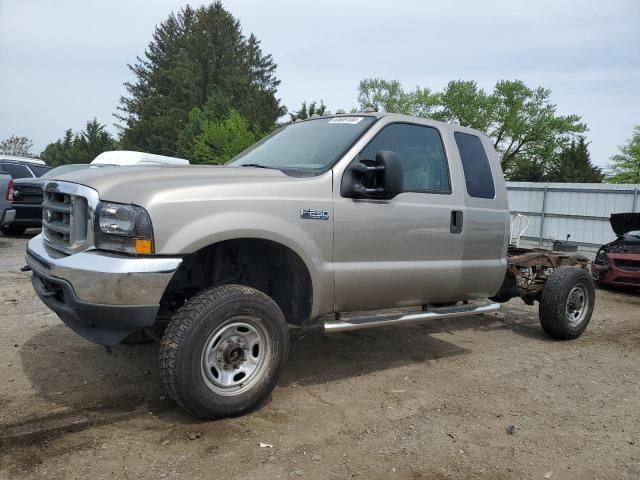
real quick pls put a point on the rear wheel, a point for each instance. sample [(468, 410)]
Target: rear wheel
[(566, 303), (13, 230), (223, 351)]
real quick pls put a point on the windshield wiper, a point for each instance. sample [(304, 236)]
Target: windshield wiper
[(256, 165)]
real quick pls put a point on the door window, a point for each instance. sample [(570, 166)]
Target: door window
[(16, 171), (39, 170), (477, 171), (421, 152)]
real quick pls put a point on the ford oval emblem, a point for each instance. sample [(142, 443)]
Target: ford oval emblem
[(47, 215)]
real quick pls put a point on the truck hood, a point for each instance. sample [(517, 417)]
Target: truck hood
[(133, 184), (622, 223)]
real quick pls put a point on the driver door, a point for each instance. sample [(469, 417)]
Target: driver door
[(402, 251)]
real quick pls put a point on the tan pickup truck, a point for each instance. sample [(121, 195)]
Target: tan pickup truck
[(316, 224)]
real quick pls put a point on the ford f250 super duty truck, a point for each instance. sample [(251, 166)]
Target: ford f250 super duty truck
[(316, 224)]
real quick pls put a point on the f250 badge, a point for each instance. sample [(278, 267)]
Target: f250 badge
[(314, 214)]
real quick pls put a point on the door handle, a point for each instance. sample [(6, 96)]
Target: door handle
[(456, 221)]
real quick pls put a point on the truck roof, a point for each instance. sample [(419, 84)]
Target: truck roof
[(401, 117), (22, 159)]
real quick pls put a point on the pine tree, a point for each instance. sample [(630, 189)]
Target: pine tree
[(306, 112), (81, 147), (196, 54), (573, 164)]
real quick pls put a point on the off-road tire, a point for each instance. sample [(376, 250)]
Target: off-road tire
[(13, 230), (553, 309), (186, 337), (137, 338)]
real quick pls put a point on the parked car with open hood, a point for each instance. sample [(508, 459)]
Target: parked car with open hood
[(618, 263)]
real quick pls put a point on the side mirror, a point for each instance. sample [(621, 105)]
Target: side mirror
[(382, 178)]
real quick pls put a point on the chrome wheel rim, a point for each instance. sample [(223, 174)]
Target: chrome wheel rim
[(235, 356), (577, 305)]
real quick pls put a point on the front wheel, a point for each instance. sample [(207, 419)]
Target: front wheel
[(223, 351), (566, 303)]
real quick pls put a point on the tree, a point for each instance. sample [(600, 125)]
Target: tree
[(306, 112), (17, 146), (81, 147), (215, 110), (62, 151), (524, 125), (194, 55), (626, 164), (94, 140), (573, 164), (221, 141), (389, 96)]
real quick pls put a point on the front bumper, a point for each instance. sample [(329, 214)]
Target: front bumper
[(608, 273), (101, 296), (6, 217), (28, 214)]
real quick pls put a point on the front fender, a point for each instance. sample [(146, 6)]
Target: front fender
[(311, 240)]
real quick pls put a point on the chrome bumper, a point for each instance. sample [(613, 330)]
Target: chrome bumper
[(104, 278), (6, 217)]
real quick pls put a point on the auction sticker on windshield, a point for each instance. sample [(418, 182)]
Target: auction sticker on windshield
[(349, 120)]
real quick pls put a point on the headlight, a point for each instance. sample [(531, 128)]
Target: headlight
[(122, 228)]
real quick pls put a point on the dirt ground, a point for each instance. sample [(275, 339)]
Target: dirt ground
[(485, 397)]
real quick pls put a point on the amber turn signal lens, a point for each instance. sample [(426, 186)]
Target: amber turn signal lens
[(143, 246)]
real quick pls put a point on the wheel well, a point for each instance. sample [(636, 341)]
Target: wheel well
[(262, 264)]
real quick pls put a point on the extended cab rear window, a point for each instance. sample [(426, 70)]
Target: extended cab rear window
[(477, 171)]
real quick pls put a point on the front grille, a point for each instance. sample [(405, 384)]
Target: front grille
[(64, 220), (630, 265)]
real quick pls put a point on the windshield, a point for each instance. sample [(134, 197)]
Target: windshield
[(62, 169), (634, 234), (310, 145)]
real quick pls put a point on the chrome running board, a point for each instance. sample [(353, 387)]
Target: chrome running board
[(346, 323)]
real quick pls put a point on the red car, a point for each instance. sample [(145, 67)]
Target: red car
[(618, 263)]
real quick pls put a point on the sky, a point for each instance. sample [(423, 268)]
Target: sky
[(63, 63)]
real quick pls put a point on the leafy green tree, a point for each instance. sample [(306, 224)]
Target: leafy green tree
[(215, 110), (524, 125), (81, 147), (573, 164), (626, 164), (389, 96), (220, 141), (196, 54), (305, 111), (17, 146)]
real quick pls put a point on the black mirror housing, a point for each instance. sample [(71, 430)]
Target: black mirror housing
[(382, 178)]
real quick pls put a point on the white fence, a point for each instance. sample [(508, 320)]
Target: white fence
[(581, 210)]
